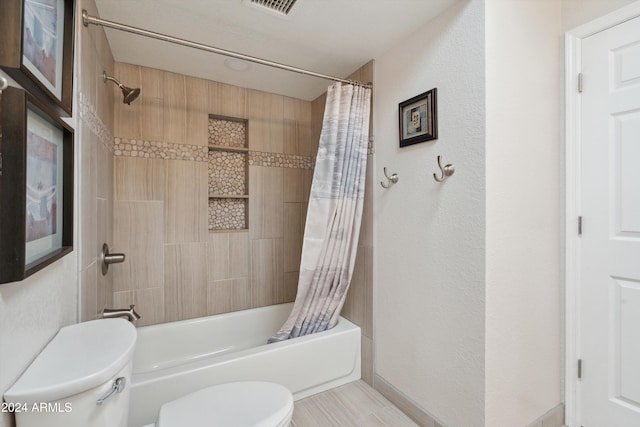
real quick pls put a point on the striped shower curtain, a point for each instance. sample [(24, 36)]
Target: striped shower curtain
[(334, 214)]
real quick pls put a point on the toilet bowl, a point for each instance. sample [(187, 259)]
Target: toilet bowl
[(82, 378), (245, 403)]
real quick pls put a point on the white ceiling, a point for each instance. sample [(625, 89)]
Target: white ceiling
[(333, 37)]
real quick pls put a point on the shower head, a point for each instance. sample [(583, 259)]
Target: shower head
[(129, 94)]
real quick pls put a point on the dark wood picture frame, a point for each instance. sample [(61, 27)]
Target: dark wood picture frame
[(23, 251), (418, 118), (16, 62)]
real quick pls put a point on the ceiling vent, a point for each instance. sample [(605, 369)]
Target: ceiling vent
[(281, 7)]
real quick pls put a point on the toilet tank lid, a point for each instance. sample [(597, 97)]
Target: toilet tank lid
[(78, 358)]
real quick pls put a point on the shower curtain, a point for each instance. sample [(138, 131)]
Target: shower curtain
[(334, 214)]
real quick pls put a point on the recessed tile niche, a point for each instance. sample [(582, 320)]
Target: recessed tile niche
[(228, 173)]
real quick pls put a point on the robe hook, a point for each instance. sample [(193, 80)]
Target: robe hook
[(3, 84), (390, 179), (445, 171)]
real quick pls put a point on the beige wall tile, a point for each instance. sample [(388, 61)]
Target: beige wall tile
[(358, 306), (297, 127), (303, 215), (139, 234), (197, 111), (367, 330), (364, 74), (104, 170), (218, 257), (267, 276), (266, 130), (224, 296), (106, 95), (366, 228), (151, 104), (293, 220), (307, 179), (149, 304), (127, 118), (219, 296), (139, 179), (227, 100), (354, 305), (366, 353), (266, 207), (290, 286), (292, 251), (239, 254), (89, 290), (90, 6), (103, 216), (185, 290), (175, 108), (88, 75), (293, 184), (88, 190), (317, 114), (123, 299), (186, 201)]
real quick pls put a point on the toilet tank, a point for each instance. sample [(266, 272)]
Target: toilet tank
[(77, 368)]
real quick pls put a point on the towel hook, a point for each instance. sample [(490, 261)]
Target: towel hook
[(445, 171), (390, 179)]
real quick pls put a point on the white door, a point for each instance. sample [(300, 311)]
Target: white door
[(609, 284)]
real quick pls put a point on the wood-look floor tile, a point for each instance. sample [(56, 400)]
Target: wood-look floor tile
[(354, 404)]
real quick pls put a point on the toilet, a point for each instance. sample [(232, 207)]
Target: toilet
[(82, 378)]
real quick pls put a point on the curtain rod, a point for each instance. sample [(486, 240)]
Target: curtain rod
[(88, 19)]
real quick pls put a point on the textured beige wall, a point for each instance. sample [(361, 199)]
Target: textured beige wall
[(523, 258), (176, 268), (71, 289), (429, 261)]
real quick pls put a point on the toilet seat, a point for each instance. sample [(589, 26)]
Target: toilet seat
[(237, 404)]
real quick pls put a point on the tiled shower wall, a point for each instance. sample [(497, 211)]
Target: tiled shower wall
[(93, 106), (176, 268)]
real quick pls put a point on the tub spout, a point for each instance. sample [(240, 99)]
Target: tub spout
[(130, 314)]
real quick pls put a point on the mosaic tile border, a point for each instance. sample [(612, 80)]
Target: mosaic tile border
[(199, 153), (278, 160), (90, 118), (159, 150)]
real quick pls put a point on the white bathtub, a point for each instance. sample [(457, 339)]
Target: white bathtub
[(177, 358)]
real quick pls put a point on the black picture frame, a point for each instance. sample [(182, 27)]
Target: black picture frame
[(418, 118), (36, 153), (32, 52)]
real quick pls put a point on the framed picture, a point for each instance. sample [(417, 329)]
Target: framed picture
[(36, 186), (36, 48), (418, 118)]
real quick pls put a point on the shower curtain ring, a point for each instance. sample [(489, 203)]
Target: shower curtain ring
[(390, 179)]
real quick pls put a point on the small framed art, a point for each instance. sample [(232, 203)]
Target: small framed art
[(36, 48), (36, 186), (418, 118)]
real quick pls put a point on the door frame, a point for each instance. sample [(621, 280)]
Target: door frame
[(573, 58)]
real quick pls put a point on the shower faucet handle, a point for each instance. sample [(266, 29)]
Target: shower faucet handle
[(108, 258)]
